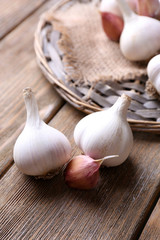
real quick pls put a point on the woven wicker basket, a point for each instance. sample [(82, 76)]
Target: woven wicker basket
[(144, 111)]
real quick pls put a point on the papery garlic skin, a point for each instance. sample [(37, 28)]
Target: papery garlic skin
[(39, 149), (153, 71), (140, 38), (106, 133)]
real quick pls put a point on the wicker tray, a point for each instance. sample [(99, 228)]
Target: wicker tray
[(144, 111)]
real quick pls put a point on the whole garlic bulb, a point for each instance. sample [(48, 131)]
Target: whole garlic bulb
[(39, 149), (140, 38), (153, 71), (110, 6), (106, 133)]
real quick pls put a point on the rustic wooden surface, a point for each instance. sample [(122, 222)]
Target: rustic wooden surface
[(14, 12), (152, 228), (123, 205)]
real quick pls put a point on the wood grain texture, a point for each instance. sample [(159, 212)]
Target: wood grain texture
[(115, 209), (19, 70), (152, 228), (14, 12)]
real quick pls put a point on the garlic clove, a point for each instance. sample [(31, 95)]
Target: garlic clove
[(82, 172), (112, 25), (39, 149), (111, 19), (106, 133), (134, 35), (153, 71)]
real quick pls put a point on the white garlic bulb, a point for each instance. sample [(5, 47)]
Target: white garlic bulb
[(110, 6), (106, 133), (39, 149), (153, 70), (140, 38)]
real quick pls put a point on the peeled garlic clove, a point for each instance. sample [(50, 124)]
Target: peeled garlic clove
[(136, 43), (39, 149), (82, 172), (112, 25), (106, 133), (153, 71)]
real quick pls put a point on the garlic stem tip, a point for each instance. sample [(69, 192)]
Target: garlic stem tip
[(124, 96), (27, 92), (111, 156)]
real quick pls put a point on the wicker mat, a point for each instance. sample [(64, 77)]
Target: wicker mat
[(89, 56)]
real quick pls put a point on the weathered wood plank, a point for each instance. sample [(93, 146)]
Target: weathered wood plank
[(14, 12), (115, 209), (152, 228), (19, 70)]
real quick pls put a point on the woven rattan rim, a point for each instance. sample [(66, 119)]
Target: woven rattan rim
[(144, 114)]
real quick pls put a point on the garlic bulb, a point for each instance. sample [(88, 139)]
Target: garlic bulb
[(110, 6), (106, 133), (39, 149), (136, 42), (153, 70)]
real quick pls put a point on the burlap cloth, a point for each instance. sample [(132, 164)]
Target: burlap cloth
[(89, 56)]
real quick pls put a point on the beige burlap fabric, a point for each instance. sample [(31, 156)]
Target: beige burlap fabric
[(89, 56)]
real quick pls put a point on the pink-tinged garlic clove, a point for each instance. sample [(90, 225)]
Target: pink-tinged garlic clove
[(82, 172), (112, 25)]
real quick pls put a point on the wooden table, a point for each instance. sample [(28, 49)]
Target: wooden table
[(124, 205)]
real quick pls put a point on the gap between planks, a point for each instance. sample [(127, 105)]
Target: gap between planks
[(144, 225), (152, 227)]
